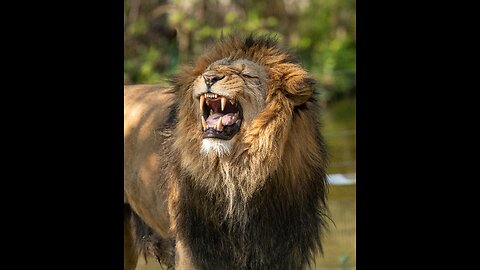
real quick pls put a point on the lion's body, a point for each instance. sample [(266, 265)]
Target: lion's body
[(146, 115), (256, 201)]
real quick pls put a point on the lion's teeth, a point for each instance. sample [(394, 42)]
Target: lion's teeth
[(224, 102), (202, 100), (204, 123), (210, 95), (211, 112), (219, 124)]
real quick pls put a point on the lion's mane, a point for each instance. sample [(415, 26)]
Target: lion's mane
[(263, 206)]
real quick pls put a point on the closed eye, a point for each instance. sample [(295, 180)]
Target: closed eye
[(246, 75)]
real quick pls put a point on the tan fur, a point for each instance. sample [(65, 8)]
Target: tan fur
[(276, 145), (145, 111)]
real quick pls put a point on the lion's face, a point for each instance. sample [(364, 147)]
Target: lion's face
[(230, 94)]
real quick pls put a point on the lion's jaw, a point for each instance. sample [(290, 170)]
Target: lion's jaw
[(230, 94)]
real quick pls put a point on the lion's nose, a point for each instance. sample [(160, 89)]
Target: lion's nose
[(211, 79)]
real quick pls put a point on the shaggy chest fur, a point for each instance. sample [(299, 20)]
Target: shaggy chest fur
[(266, 232)]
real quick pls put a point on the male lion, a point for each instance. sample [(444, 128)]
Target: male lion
[(226, 170)]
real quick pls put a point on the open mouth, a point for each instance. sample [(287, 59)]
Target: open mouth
[(221, 117)]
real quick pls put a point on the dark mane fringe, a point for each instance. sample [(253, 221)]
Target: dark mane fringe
[(272, 231)]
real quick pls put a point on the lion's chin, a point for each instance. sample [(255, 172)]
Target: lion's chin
[(219, 147)]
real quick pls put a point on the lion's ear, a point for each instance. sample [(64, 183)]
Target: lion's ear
[(297, 84)]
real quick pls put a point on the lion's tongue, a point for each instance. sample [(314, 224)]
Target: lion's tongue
[(227, 119)]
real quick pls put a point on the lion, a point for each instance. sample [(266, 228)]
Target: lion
[(226, 169)]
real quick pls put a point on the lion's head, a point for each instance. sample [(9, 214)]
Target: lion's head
[(231, 93), (246, 107)]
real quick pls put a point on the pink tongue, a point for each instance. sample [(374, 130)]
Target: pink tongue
[(227, 119)]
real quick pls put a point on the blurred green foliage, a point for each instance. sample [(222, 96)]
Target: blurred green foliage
[(162, 34)]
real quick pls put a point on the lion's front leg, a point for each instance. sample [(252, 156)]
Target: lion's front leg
[(130, 252), (183, 260)]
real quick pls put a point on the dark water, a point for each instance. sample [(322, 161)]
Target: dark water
[(339, 130)]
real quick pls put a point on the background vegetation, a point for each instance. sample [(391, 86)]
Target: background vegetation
[(160, 35)]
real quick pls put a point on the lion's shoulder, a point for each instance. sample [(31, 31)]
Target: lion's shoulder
[(146, 109)]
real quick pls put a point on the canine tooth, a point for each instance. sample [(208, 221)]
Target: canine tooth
[(204, 123), (211, 112), (219, 124), (202, 100), (224, 102)]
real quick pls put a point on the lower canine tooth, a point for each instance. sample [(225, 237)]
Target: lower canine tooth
[(204, 123), (219, 123)]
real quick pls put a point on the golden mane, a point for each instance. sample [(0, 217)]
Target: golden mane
[(271, 139)]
